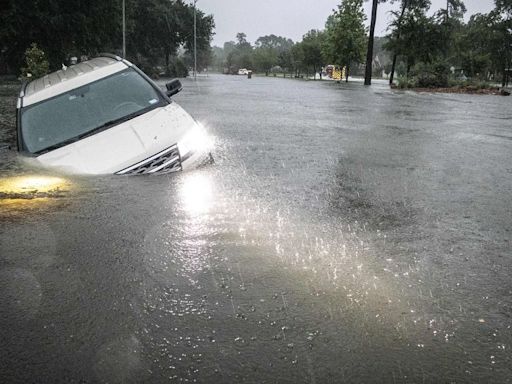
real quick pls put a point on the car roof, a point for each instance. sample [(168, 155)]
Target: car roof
[(70, 78)]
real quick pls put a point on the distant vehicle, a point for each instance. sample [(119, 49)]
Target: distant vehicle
[(243, 71), (105, 116)]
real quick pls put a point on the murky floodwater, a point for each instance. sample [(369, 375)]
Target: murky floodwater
[(345, 234)]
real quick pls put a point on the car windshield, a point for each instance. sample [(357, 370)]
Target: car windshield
[(70, 116)]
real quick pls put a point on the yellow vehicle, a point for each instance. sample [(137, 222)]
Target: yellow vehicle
[(335, 73)]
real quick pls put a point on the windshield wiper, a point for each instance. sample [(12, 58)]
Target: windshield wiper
[(111, 123), (58, 145), (102, 127)]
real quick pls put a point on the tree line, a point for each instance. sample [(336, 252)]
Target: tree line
[(430, 49), (422, 47), (159, 33)]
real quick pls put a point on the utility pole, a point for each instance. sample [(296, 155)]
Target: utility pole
[(195, 42), (124, 29), (369, 54)]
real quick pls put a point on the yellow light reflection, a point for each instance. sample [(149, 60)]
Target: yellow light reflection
[(30, 187), (196, 194)]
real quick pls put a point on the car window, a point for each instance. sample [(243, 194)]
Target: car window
[(80, 111)]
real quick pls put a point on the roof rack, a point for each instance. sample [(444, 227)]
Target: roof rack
[(45, 85), (24, 84), (110, 56)]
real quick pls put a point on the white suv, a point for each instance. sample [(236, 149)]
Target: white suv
[(105, 116)]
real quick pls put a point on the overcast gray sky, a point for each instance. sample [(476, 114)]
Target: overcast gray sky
[(293, 18)]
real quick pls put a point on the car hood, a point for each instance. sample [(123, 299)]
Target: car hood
[(123, 145)]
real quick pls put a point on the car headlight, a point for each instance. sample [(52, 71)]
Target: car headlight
[(195, 141)]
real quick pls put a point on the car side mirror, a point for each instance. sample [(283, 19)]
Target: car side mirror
[(173, 87)]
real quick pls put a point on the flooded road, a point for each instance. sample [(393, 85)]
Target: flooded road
[(344, 234)]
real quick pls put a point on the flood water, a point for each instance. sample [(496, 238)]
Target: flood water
[(344, 234)]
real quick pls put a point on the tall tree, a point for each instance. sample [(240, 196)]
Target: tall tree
[(264, 59), (504, 6), (345, 40), (396, 26), (63, 28), (297, 54), (275, 42), (454, 9), (504, 9), (399, 18), (450, 22), (419, 39), (312, 50), (242, 54), (272, 50)]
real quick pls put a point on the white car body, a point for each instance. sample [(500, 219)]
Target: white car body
[(161, 140)]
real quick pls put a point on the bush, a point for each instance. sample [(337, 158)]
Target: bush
[(434, 75), (37, 64), (404, 82), (177, 68), (455, 83), (473, 85), (483, 85)]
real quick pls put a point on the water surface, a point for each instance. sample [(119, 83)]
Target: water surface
[(344, 234)]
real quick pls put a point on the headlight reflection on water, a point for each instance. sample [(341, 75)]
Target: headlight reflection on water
[(29, 187), (196, 194)]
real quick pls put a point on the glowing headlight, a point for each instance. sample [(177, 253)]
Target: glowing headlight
[(197, 140)]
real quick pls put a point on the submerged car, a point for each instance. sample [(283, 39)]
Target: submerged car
[(105, 116)]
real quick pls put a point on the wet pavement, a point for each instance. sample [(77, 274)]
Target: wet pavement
[(345, 234)]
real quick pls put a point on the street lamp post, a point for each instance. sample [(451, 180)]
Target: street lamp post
[(195, 42), (124, 30)]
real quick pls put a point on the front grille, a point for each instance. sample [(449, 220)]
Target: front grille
[(163, 162)]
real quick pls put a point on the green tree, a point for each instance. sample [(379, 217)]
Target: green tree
[(229, 46), (396, 27), (64, 28), (271, 50), (160, 27), (61, 28), (471, 53), (504, 6), (450, 23), (311, 46), (241, 56), (264, 59), (345, 40), (297, 56), (454, 9), (504, 32), (241, 39), (417, 38), (279, 43), (285, 61), (37, 64)]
